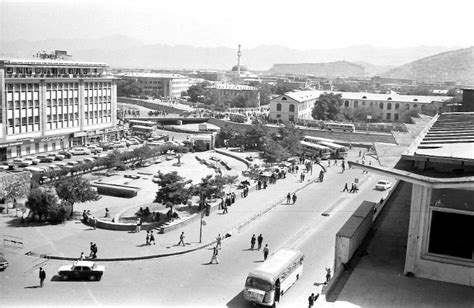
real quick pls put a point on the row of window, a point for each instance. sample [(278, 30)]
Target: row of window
[(62, 117), (22, 87), (381, 105), (97, 114), (23, 104), (31, 120), (62, 86), (97, 85), (291, 107)]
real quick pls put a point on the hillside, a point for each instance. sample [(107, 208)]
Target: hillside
[(457, 65), (331, 69)]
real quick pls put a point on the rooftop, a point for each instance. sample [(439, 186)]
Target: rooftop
[(48, 62), (449, 136), (302, 96), (230, 86), (152, 75)]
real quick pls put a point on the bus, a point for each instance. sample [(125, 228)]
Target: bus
[(337, 150), (316, 149), (268, 282), (238, 117), (344, 127)]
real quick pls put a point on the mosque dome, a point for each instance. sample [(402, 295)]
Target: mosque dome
[(242, 68)]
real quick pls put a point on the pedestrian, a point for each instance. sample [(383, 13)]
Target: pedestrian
[(82, 257), (221, 204), (147, 242), (259, 241), (218, 241), (152, 238), (294, 198), (266, 250), (352, 188), (346, 188), (335, 162), (311, 300), (139, 225), (94, 251), (252, 242), (288, 198), (84, 217), (42, 276), (225, 209), (328, 274), (215, 252), (232, 197), (181, 239), (264, 184), (91, 250), (296, 169)]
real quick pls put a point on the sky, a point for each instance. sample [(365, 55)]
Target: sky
[(299, 24)]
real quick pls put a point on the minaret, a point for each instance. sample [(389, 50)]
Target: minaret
[(239, 53)]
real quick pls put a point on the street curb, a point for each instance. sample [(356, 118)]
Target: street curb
[(131, 258)]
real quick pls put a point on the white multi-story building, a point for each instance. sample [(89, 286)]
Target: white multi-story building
[(49, 105), (160, 85), (299, 104)]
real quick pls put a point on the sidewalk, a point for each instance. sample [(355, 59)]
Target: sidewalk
[(75, 237)]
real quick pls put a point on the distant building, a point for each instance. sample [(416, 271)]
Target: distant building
[(49, 105), (440, 166), (229, 92), (468, 99), (299, 104), (160, 85)]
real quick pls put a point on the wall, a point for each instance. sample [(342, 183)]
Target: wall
[(148, 105)]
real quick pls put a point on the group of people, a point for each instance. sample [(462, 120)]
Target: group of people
[(290, 197), (354, 188), (228, 201), (150, 238), (259, 241), (262, 184)]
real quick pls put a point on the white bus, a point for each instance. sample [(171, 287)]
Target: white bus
[(344, 127), (275, 276), (316, 149), (337, 150)]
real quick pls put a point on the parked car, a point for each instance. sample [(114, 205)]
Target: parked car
[(54, 167), (99, 155), (45, 158), (95, 149), (66, 154), (34, 161), (20, 162), (3, 263), (82, 270), (56, 156), (89, 160), (80, 151), (383, 185), (72, 163)]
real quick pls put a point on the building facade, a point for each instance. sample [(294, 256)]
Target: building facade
[(49, 105), (299, 104), (229, 92), (160, 85)]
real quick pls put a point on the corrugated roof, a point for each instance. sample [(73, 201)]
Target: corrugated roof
[(49, 62)]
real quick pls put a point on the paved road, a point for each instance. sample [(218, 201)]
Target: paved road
[(187, 279)]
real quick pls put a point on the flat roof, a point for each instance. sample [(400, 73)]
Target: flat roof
[(48, 62), (153, 75), (229, 86), (447, 136), (302, 96)]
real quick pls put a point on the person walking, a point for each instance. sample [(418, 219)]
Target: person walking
[(225, 209), (42, 276), (294, 198), (181, 239), (328, 274), (152, 238), (94, 251), (288, 198), (147, 238), (91, 250), (311, 300), (346, 188), (215, 252), (266, 250), (252, 242), (218, 241), (260, 241)]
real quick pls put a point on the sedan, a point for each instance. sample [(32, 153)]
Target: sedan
[(383, 185), (82, 270), (3, 263), (56, 156), (80, 151), (65, 153), (20, 162), (33, 160)]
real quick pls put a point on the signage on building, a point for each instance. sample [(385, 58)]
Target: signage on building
[(79, 134), (52, 138), (11, 144)]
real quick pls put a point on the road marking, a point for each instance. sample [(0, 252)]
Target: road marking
[(333, 206)]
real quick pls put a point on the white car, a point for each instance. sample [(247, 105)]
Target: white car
[(383, 185), (33, 160), (20, 162), (80, 151), (56, 156)]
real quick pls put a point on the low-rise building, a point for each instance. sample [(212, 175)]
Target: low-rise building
[(160, 85), (227, 92), (299, 104)]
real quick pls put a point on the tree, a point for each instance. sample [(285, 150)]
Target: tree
[(18, 187), (274, 152), (127, 87), (76, 189), (282, 89), (173, 189), (326, 107), (406, 116), (254, 137), (360, 114), (239, 101), (289, 138), (40, 199)]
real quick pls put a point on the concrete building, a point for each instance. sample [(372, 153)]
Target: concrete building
[(227, 93), (439, 164), (49, 105), (298, 104), (160, 85)]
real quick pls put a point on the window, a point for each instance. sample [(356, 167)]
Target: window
[(291, 118), (389, 106), (292, 108), (415, 106), (381, 105), (37, 147), (388, 116), (407, 106), (346, 104), (395, 116), (278, 107), (397, 106), (356, 104), (283, 98)]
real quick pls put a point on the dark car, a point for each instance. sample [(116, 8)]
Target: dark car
[(65, 154), (82, 270), (3, 263)]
